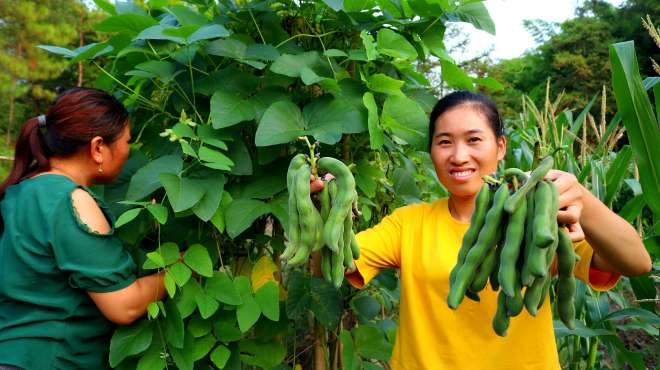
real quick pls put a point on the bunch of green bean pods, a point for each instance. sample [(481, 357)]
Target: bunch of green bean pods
[(512, 242), (328, 230)]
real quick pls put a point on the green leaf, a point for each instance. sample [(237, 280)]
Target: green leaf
[(203, 346), (58, 50), (349, 356), (580, 330), (632, 208), (164, 71), (186, 15), (170, 284), (366, 307), (429, 8), (241, 213), (220, 355), (293, 65), (433, 38), (209, 31), (247, 313), (183, 193), (474, 13), (152, 358), (207, 305), (215, 159), (263, 355), (357, 6), (213, 185), (623, 358), (199, 327), (159, 212), (153, 310), (183, 358), (327, 119), (218, 219), (128, 24), (106, 6), (228, 109), (262, 52), (221, 287), (313, 294), (173, 324), (157, 259), (281, 123), (395, 45), (146, 179), (268, 298), (406, 120), (637, 113), (127, 217), (455, 77), (644, 289), (159, 32), (376, 136), (170, 252), (616, 173), (366, 177), (198, 259), (240, 155), (263, 186), (226, 327), (130, 340), (385, 84), (370, 342), (369, 45), (643, 315), (490, 83), (185, 301), (230, 48), (181, 273), (336, 53)]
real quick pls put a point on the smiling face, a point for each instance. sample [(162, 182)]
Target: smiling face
[(464, 148)]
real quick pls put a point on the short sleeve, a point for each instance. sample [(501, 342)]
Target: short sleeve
[(95, 262), (597, 279), (380, 248)]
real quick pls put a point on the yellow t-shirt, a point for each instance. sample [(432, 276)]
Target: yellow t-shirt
[(423, 240)]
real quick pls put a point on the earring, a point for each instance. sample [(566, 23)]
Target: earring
[(100, 168)]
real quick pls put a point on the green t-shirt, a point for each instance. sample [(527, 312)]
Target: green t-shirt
[(49, 260)]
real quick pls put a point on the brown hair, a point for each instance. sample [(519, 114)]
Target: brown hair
[(71, 122)]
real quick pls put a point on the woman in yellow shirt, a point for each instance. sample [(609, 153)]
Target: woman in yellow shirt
[(422, 241)]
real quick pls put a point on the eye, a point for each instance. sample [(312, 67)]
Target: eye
[(474, 139), (443, 142)]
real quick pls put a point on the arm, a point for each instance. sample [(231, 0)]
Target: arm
[(617, 246), (125, 305)]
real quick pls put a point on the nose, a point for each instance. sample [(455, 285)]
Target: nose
[(460, 155)]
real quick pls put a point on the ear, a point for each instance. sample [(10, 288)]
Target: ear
[(96, 149), (501, 147)]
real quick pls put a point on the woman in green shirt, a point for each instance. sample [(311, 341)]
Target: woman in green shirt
[(65, 278)]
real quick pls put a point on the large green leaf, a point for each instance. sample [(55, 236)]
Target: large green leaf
[(263, 355), (349, 356), (198, 259), (173, 325), (230, 48), (215, 159), (406, 120), (182, 192), (580, 330), (129, 24), (228, 109), (152, 359), (455, 77), (370, 342), (376, 136), (185, 301), (645, 290), (213, 185), (241, 213), (385, 84), (282, 122), (316, 295), (638, 118), (474, 13), (207, 305), (295, 65), (130, 340), (268, 298), (616, 173), (186, 15), (209, 31), (183, 358), (248, 312), (221, 287), (395, 45), (220, 355), (145, 180), (327, 119)]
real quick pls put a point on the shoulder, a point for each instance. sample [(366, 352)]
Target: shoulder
[(88, 211), (413, 210)]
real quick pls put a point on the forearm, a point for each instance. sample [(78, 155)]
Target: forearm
[(127, 305), (617, 246)]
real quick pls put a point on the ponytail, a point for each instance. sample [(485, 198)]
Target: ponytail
[(31, 155)]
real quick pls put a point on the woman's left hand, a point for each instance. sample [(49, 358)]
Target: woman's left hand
[(570, 202)]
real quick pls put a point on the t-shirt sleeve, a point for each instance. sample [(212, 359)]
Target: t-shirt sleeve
[(380, 248), (597, 279), (95, 262)]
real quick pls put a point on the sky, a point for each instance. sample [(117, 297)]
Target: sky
[(512, 39)]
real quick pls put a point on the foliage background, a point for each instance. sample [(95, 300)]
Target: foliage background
[(212, 89)]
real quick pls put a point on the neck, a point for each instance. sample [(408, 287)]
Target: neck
[(461, 208), (72, 168)]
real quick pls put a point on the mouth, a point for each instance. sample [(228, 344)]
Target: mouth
[(461, 174)]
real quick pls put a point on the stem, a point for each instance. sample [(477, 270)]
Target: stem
[(144, 100), (263, 41), (304, 35), (312, 155), (593, 350)]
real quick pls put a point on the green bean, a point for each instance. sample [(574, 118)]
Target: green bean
[(501, 320), (515, 231), (478, 252), (566, 282), (537, 175)]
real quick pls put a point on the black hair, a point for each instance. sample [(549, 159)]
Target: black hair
[(479, 101)]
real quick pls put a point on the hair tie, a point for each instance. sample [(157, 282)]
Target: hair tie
[(42, 121)]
